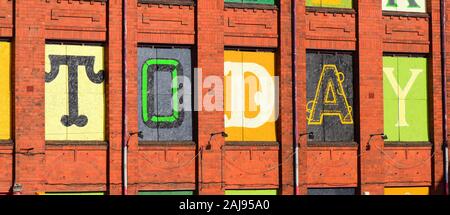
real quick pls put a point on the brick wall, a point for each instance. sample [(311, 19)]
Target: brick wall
[(208, 27)]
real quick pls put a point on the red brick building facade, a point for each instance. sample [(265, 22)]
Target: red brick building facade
[(208, 28)]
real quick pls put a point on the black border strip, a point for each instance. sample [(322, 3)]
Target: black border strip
[(149, 143), (408, 144), (251, 143), (76, 42), (332, 144), (75, 143), (406, 14), (399, 54), (252, 6), (167, 46), (6, 142), (251, 49)]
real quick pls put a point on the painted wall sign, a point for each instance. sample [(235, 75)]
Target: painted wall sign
[(331, 191), (405, 5), (165, 97), (74, 92), (405, 98), (329, 108), (406, 191), (250, 96), (250, 192), (5, 91), (330, 3)]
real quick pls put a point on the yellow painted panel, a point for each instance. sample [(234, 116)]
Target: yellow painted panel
[(56, 99), (232, 69), (94, 129), (250, 96), (406, 191), (90, 96), (5, 91), (259, 115)]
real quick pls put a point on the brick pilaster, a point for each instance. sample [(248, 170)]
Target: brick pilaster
[(370, 95), (285, 95), (29, 100), (114, 95), (210, 49)]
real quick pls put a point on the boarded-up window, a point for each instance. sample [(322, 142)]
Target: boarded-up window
[(330, 3), (5, 91), (405, 98), (252, 1), (405, 5), (250, 100), (331, 191), (74, 92), (165, 96), (329, 92)]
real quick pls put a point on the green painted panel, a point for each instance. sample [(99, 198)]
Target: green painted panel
[(167, 193), (313, 3), (405, 98), (413, 101), (250, 192), (391, 119), (74, 194), (413, 70), (234, 1), (417, 119), (330, 3), (390, 77), (390, 66)]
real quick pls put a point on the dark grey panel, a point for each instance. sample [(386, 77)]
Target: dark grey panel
[(319, 133), (344, 64), (336, 131), (332, 90), (331, 191), (163, 81), (181, 129), (150, 133), (314, 67), (313, 70), (165, 106), (182, 133)]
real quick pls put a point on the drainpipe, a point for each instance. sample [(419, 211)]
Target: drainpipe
[(444, 90), (294, 71), (124, 100)]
